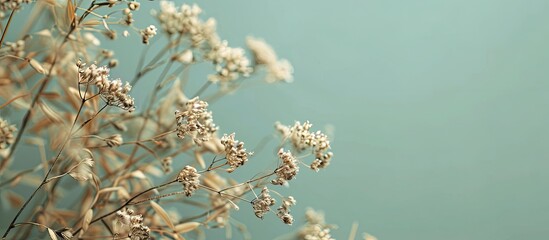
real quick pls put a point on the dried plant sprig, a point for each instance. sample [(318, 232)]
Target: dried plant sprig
[(113, 179), (235, 153), (196, 121), (302, 138), (262, 203), (288, 169), (7, 131), (189, 177)]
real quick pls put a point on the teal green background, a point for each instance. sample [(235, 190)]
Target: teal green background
[(439, 109)]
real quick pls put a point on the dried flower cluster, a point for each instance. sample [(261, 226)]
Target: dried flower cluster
[(196, 121), (288, 170), (127, 220), (315, 228), (112, 91), (262, 204), (235, 153), (7, 136), (121, 162), (303, 139), (189, 177)]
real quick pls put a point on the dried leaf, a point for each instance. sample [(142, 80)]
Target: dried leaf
[(52, 234), (138, 174), (163, 214), (186, 227), (36, 65), (71, 10), (87, 220)]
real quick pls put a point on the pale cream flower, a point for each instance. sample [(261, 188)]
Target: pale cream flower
[(235, 153), (189, 177), (196, 121), (288, 169)]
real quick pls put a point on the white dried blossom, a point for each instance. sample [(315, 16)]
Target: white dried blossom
[(7, 5), (235, 153), (262, 203), (189, 177), (277, 70), (288, 170), (114, 141), (134, 6), (282, 70), (230, 63), (196, 121), (7, 134), (182, 20), (128, 220), (302, 139), (113, 92), (315, 232), (263, 53), (148, 33)]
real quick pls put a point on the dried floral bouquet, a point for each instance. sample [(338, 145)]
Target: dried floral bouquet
[(131, 160)]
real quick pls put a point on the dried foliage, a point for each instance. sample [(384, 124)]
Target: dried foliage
[(56, 87)]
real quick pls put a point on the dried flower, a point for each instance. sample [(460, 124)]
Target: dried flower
[(229, 62), (127, 219), (7, 136), (288, 170), (277, 70), (189, 177), (112, 91), (262, 203), (16, 48), (302, 139), (196, 121), (148, 33), (235, 153), (283, 212)]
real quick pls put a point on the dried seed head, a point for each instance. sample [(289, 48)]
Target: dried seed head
[(196, 121), (288, 170), (283, 212), (7, 134), (262, 203), (189, 177), (113, 92), (235, 153)]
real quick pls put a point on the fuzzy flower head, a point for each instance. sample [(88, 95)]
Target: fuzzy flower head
[(189, 177), (262, 203), (113, 92), (196, 121), (277, 69), (288, 170), (235, 153), (7, 134)]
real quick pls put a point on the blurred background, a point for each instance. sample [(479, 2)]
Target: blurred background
[(438, 111)]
